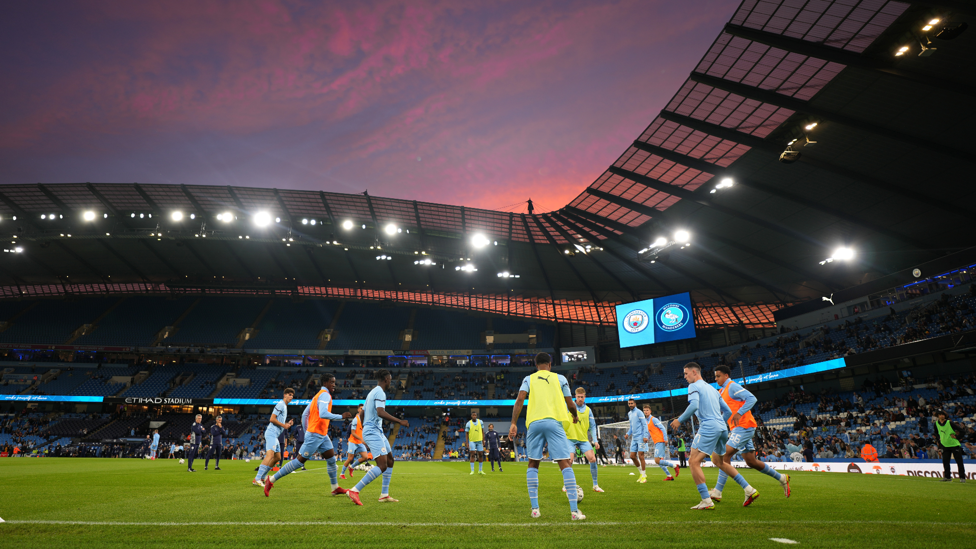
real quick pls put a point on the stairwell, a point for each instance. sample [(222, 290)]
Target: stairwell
[(323, 343), (172, 329), (10, 321), (393, 434), (405, 345), (439, 448), (252, 330), (86, 329)]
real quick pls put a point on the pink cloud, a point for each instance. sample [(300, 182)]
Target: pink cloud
[(498, 102)]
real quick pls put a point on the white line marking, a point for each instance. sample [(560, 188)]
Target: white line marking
[(482, 524), (784, 540)]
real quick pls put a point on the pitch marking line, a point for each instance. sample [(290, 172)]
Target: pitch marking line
[(480, 524), (784, 540)]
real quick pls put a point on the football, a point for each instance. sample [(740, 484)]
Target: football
[(181, 461), (579, 493), (247, 461)]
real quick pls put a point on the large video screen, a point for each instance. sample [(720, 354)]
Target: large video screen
[(655, 320)]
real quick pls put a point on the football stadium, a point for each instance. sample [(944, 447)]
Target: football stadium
[(755, 327)]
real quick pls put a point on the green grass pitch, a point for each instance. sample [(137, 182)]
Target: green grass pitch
[(55, 502)]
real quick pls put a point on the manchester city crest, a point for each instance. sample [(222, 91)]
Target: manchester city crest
[(635, 321)]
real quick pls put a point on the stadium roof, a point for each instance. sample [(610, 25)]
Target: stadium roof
[(889, 175)]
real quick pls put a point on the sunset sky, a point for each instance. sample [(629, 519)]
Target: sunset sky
[(482, 104)]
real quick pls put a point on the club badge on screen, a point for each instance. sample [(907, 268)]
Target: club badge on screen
[(635, 321), (672, 317)]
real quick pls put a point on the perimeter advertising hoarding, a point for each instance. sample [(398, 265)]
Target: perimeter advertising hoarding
[(657, 320)]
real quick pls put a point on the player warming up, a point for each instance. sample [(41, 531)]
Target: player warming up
[(196, 437), (705, 403), (638, 438), (277, 425), (494, 450), (659, 436), (374, 413), (743, 427), (474, 433), (355, 446), (315, 422), (154, 447), (217, 432), (581, 434), (549, 406)]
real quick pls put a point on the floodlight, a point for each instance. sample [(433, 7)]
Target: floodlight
[(262, 219), (304, 222), (177, 216), (43, 216), (347, 224), (843, 253), (660, 242), (18, 249), (89, 215), (480, 241), (390, 229), (682, 236), (810, 126)]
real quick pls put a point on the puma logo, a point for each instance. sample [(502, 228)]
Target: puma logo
[(543, 379)]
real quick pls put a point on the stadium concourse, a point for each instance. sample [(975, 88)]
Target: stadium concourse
[(797, 214)]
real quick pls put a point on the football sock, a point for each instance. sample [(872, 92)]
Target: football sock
[(667, 463), (287, 469), (472, 466), (703, 490), (370, 477), (532, 479), (261, 472), (569, 482), (741, 481), (767, 470), (665, 469), (331, 468), (481, 466), (206, 463), (387, 477), (594, 471), (722, 477)]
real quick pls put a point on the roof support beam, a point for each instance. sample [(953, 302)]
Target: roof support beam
[(720, 264), (230, 248), (566, 260), (836, 55), (707, 167), (592, 230), (538, 258), (150, 201), (159, 256), (200, 258), (120, 257), (640, 208), (704, 201), (720, 293), (552, 222), (786, 102), (315, 264), (961, 6), (762, 144)]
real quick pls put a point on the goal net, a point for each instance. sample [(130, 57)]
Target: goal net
[(614, 435)]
